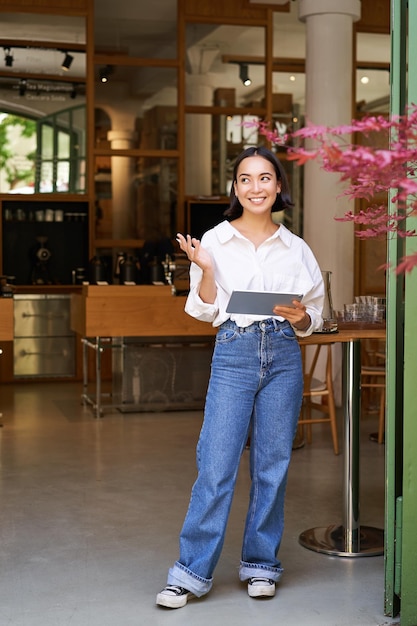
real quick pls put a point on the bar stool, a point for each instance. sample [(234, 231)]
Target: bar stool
[(313, 389)]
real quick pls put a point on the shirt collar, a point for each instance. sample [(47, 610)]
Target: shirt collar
[(225, 232)]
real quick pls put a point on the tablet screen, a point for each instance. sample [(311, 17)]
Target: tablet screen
[(259, 302)]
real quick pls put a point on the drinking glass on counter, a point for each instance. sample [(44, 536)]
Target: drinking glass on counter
[(370, 309), (352, 312)]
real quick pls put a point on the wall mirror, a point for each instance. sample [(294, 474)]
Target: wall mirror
[(42, 104)]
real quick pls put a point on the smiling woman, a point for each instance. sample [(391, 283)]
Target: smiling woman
[(256, 378)]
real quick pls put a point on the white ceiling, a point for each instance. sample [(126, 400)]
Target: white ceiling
[(149, 29)]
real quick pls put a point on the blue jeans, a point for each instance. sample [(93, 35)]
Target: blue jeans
[(256, 385)]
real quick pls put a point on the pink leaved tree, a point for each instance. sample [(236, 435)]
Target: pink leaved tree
[(366, 168)]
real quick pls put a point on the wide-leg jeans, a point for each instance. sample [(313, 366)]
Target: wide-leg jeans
[(256, 385)]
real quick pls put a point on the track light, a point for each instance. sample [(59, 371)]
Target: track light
[(66, 63), (8, 57), (105, 73), (22, 86), (244, 74)]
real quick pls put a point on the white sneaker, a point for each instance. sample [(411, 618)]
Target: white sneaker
[(173, 597), (261, 588)]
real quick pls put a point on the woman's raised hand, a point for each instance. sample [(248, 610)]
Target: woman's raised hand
[(195, 252)]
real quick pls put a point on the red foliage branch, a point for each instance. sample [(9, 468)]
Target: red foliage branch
[(366, 169)]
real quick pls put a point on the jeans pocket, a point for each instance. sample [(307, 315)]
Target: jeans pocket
[(288, 333), (226, 335)]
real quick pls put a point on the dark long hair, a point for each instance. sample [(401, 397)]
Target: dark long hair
[(283, 199)]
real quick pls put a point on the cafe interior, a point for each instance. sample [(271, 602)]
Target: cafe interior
[(119, 128)]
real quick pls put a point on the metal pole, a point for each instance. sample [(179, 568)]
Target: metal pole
[(351, 415)]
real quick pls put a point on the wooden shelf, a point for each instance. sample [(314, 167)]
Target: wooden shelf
[(119, 243)]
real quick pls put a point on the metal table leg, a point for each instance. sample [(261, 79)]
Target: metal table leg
[(349, 539), (86, 398), (99, 350)]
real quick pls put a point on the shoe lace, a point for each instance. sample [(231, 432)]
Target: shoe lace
[(267, 581), (178, 591)]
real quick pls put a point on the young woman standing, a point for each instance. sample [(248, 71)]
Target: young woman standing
[(256, 381)]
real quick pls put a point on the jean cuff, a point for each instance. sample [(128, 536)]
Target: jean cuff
[(183, 577), (255, 570)]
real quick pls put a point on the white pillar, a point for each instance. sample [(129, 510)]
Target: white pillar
[(123, 189), (198, 138), (329, 71)]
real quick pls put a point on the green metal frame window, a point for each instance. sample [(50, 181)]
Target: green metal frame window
[(61, 152)]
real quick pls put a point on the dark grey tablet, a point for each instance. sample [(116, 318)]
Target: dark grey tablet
[(259, 302)]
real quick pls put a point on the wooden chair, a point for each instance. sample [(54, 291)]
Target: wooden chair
[(373, 377), (315, 389)]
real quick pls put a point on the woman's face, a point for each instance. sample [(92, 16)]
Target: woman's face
[(256, 185)]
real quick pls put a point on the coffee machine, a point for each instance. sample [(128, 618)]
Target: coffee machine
[(40, 257)]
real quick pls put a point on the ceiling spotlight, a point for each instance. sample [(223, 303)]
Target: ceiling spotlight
[(66, 63), (22, 86), (8, 57), (105, 72), (365, 80), (244, 74)]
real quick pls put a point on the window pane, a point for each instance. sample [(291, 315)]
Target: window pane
[(226, 56), (63, 145), (28, 28), (47, 149), (209, 162), (17, 150), (78, 128), (288, 92), (62, 176), (80, 179), (136, 29), (150, 96), (46, 177), (136, 198)]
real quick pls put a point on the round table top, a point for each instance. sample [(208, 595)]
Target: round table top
[(345, 335)]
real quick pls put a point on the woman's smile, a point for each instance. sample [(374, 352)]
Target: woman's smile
[(257, 200), (256, 183)]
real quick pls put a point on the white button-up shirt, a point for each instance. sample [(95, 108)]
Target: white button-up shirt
[(283, 263)]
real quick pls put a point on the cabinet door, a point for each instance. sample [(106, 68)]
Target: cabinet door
[(42, 317), (44, 356)]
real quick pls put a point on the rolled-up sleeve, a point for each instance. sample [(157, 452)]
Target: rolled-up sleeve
[(194, 305)]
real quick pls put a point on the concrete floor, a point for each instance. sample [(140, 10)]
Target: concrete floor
[(91, 511)]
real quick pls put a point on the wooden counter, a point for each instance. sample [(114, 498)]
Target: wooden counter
[(133, 311), (6, 319)]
